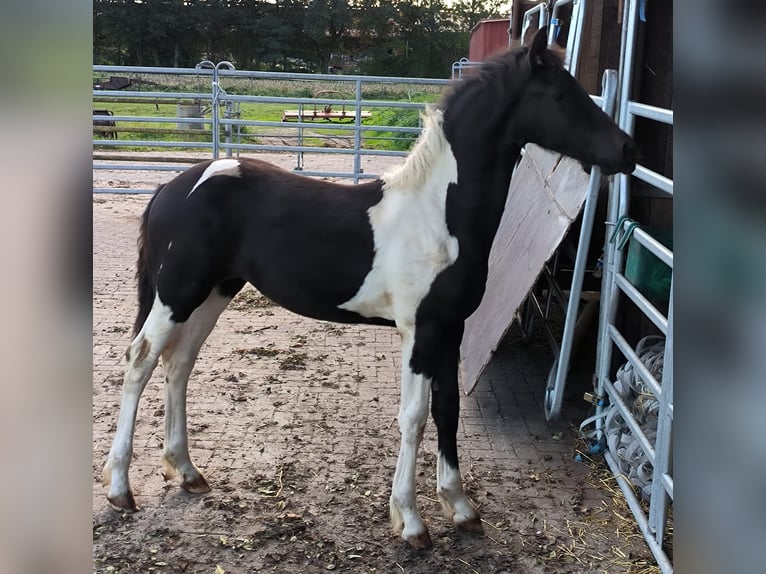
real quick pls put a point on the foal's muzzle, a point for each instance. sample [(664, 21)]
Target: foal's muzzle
[(626, 162)]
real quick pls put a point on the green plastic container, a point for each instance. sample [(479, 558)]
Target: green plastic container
[(642, 268)]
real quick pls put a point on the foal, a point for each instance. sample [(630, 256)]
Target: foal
[(408, 250)]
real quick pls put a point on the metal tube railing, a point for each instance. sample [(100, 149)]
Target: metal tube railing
[(614, 282), (218, 142), (651, 312), (554, 393), (644, 374)]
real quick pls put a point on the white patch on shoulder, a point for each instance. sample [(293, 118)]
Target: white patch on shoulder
[(218, 167), (409, 224)]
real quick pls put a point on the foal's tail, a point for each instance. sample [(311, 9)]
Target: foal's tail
[(144, 276)]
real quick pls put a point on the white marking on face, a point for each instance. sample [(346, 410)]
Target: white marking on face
[(409, 224), (218, 167)]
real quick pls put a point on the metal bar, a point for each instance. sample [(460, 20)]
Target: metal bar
[(309, 149), (653, 246), (630, 25), (630, 420), (659, 497), (144, 167), (553, 289), (269, 75), (154, 70), (121, 191), (338, 174), (319, 126), (618, 205), (152, 143), (322, 101), (635, 506), (578, 16), (121, 94), (358, 132), (635, 360), (652, 177), (149, 119), (554, 19), (662, 115), (537, 308), (527, 18), (667, 480), (652, 313)]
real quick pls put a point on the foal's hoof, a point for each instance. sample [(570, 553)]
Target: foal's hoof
[(197, 485), (123, 502), (419, 541), (473, 524)]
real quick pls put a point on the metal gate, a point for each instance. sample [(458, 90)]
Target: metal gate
[(645, 412), (225, 127)]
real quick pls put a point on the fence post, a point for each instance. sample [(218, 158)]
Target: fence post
[(217, 91), (358, 132)]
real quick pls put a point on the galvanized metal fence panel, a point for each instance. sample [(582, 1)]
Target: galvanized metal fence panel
[(227, 130), (618, 288)]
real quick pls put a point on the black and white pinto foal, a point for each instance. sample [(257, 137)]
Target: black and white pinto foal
[(408, 250)]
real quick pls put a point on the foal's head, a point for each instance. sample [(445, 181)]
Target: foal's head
[(555, 112), (525, 95)]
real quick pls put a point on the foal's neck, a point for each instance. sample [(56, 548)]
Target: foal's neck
[(484, 177)]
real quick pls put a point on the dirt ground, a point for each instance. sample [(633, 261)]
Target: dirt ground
[(293, 422)]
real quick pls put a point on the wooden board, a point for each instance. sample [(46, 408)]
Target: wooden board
[(547, 192)]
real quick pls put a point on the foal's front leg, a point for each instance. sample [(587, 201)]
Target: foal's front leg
[(413, 413), (445, 408)]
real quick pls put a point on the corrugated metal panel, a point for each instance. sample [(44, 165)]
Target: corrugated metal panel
[(488, 37)]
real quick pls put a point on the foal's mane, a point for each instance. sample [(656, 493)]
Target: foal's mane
[(502, 73), (431, 143)]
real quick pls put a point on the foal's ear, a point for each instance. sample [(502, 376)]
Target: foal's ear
[(538, 48)]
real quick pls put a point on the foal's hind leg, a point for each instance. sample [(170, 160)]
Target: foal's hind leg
[(142, 357), (178, 361)]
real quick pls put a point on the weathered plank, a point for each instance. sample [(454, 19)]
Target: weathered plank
[(546, 194)]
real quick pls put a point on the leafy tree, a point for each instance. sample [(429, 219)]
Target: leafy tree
[(384, 37)]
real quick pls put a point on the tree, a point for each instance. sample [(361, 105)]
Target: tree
[(382, 37)]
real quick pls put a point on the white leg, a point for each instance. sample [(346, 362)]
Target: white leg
[(142, 356), (413, 413), (449, 489), (178, 362)]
